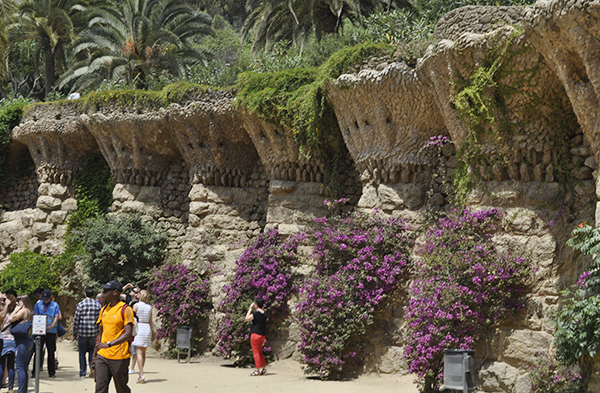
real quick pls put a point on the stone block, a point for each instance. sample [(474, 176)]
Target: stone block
[(393, 361), (201, 208), (544, 193), (389, 198), (245, 196), (288, 229), (58, 191), (194, 220), (12, 216), (58, 217), (125, 192), (219, 195), (282, 187), (69, 205), (498, 377), (369, 198), (279, 215), (42, 230), (198, 193), (46, 202), (522, 345), (309, 188), (218, 221), (149, 194), (135, 207), (39, 215), (44, 189)]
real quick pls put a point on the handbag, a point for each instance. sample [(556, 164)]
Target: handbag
[(60, 329), (21, 330)]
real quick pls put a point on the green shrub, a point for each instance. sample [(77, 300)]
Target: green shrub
[(28, 270), (121, 248), (11, 112)]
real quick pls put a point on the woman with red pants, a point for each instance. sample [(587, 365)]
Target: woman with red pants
[(258, 317)]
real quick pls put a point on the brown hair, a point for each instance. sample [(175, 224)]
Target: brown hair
[(26, 304), (13, 302), (144, 296)]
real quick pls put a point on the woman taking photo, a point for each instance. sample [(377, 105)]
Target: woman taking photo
[(145, 334), (22, 313), (258, 317)]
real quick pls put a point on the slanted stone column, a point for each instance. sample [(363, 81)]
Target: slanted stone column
[(567, 34), (58, 145), (295, 183), (228, 195), (386, 117)]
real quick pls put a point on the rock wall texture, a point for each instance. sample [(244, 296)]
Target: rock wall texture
[(212, 176)]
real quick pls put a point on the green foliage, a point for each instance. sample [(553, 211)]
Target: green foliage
[(11, 112), (120, 248), (578, 321), (28, 270), (548, 376), (134, 99), (93, 190)]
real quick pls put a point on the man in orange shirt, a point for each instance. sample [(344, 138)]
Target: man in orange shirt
[(111, 358)]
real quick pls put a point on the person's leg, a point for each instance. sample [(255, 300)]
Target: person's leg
[(256, 343), (10, 365), (51, 345), (261, 355), (120, 369), (133, 350), (103, 375), (21, 357), (82, 346), (141, 360), (90, 344)]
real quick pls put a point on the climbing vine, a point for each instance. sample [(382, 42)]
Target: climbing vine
[(482, 101), (10, 115), (296, 101)]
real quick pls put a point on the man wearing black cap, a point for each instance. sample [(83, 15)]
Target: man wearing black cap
[(111, 359), (52, 311)]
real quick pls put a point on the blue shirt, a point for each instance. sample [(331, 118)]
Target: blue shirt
[(51, 310)]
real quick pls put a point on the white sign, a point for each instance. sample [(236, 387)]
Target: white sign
[(38, 326)]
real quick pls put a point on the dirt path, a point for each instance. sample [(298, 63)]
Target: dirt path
[(211, 374)]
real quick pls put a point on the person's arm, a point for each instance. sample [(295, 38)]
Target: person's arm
[(126, 336), (20, 312), (76, 321), (4, 310), (151, 326), (249, 316), (56, 317), (98, 340)]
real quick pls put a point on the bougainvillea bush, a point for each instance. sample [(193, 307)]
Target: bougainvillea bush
[(181, 297), (463, 285), (548, 376), (360, 259), (263, 271)]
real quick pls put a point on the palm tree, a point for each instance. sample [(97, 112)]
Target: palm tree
[(53, 24), (270, 21), (7, 14), (142, 38)]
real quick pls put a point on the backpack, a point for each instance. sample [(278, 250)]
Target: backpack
[(134, 331)]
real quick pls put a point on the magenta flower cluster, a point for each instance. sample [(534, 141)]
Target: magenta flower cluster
[(262, 271), (437, 141), (547, 375), (181, 297), (463, 284), (360, 259)]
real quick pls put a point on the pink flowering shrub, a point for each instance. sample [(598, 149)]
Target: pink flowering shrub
[(263, 271), (360, 259), (462, 286), (181, 297), (548, 376)]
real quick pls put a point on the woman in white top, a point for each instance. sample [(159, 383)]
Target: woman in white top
[(145, 333)]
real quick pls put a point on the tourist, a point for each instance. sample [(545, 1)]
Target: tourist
[(111, 358), (145, 333), (7, 358), (85, 329), (258, 316), (22, 313), (132, 299), (52, 311)]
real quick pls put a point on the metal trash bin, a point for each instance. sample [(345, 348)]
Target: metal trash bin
[(459, 369), (184, 341)]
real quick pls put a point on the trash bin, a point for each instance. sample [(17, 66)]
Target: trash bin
[(459, 369), (184, 341)]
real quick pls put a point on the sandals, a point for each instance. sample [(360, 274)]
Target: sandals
[(141, 380), (255, 373), (263, 371)]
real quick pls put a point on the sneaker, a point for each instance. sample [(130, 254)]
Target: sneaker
[(56, 364), (52, 376), (82, 376), (130, 371)]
